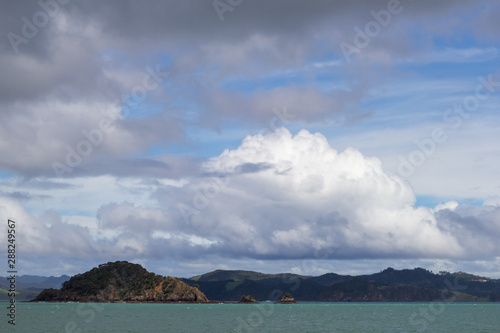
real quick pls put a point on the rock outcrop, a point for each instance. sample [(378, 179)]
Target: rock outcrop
[(248, 299), (286, 298)]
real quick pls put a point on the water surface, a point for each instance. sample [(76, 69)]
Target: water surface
[(263, 317)]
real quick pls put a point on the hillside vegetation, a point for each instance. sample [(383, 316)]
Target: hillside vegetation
[(389, 285)]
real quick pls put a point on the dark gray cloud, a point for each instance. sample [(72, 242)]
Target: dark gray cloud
[(24, 196), (159, 19), (478, 227), (487, 22), (165, 166), (89, 54), (42, 183)]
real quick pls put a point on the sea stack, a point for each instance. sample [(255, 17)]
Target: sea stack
[(286, 298), (247, 299)]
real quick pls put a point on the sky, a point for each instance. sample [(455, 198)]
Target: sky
[(274, 136)]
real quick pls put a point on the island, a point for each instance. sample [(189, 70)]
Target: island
[(286, 298), (122, 281), (247, 299)]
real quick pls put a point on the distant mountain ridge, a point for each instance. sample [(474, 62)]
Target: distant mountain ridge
[(28, 286), (389, 285), (35, 282)]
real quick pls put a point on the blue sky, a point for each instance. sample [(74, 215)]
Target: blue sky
[(188, 140)]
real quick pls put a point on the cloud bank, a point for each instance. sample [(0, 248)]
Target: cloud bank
[(276, 196)]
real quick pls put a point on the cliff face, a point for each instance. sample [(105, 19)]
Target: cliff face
[(122, 282)]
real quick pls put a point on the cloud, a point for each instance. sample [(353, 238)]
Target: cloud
[(70, 75), (276, 196), (464, 55), (477, 228), (311, 197), (45, 234), (307, 197)]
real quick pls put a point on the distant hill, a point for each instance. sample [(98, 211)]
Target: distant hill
[(37, 283), (122, 281), (389, 285), (28, 286), (238, 275), (330, 278), (413, 277), (21, 294)]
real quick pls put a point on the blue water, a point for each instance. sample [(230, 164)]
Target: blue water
[(264, 317)]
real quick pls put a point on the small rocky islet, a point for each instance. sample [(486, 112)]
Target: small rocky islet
[(286, 298), (247, 299)]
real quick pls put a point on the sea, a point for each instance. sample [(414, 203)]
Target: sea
[(262, 317)]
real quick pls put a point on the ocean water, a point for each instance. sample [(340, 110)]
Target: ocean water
[(263, 317)]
